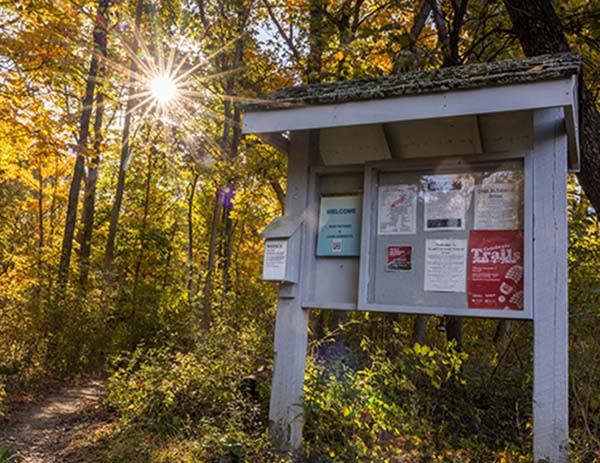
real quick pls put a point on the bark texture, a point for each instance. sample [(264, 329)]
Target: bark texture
[(540, 31)]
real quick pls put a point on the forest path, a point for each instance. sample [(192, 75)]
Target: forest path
[(66, 426)]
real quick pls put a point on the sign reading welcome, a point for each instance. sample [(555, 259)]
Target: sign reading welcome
[(339, 226)]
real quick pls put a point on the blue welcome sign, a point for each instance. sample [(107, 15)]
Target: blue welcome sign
[(339, 226)]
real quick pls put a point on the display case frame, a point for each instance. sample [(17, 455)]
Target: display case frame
[(457, 164)]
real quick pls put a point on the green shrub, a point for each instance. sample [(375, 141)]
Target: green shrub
[(191, 406), (417, 406), (8, 455)]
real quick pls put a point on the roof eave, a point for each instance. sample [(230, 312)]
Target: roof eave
[(518, 97)]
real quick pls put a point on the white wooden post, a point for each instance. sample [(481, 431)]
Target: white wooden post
[(550, 310), (291, 322)]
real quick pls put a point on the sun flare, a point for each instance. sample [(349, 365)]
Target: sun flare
[(163, 89)]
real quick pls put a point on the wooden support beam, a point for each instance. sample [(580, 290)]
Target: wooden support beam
[(291, 322), (276, 140), (550, 304)]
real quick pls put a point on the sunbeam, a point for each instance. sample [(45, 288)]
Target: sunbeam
[(163, 89)]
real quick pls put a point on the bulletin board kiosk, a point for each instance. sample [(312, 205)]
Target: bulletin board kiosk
[(439, 192)]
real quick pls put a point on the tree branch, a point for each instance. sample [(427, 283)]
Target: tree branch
[(286, 38)]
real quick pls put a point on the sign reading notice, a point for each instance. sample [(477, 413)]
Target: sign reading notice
[(398, 258), (495, 279), (339, 226), (275, 260), (397, 213), (445, 265), (497, 207)]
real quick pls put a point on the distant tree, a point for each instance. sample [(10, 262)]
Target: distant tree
[(125, 154)]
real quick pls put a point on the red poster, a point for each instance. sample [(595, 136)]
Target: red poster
[(398, 258), (495, 278)]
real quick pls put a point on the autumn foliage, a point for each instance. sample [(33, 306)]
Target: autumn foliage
[(161, 289)]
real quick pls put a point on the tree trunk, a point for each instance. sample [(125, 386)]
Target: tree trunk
[(142, 241), (84, 130), (316, 39), (423, 12), (229, 228), (125, 154), (229, 148), (210, 265), (454, 329), (40, 201), (89, 196), (41, 239), (540, 31), (279, 193), (502, 334), (190, 248), (419, 330)]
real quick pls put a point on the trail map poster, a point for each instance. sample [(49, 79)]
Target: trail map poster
[(495, 275), (397, 214)]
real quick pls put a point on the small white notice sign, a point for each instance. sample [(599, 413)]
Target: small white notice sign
[(446, 201), (497, 207), (397, 214), (446, 265), (275, 260)]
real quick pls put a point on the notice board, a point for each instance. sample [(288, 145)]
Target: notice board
[(445, 240)]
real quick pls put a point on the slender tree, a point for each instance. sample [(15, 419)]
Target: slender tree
[(91, 179), (230, 140), (125, 150), (79, 168)]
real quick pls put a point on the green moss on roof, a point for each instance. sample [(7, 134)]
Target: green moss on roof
[(497, 73)]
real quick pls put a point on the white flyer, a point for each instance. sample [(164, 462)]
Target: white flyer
[(445, 200), (497, 207), (397, 212), (275, 260), (446, 265)]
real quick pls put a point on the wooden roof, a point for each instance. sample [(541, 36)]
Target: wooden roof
[(497, 73)]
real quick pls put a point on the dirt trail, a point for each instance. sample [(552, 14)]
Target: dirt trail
[(64, 427)]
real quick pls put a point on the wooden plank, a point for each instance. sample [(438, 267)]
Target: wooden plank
[(325, 305), (572, 122), (421, 310), (353, 145), (447, 136), (549, 94), (528, 230), (503, 132), (550, 381), (276, 140), (291, 321), (366, 240)]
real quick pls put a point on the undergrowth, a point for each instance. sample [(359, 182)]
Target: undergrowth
[(421, 404)]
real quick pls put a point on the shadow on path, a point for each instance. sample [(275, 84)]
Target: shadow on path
[(64, 427)]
